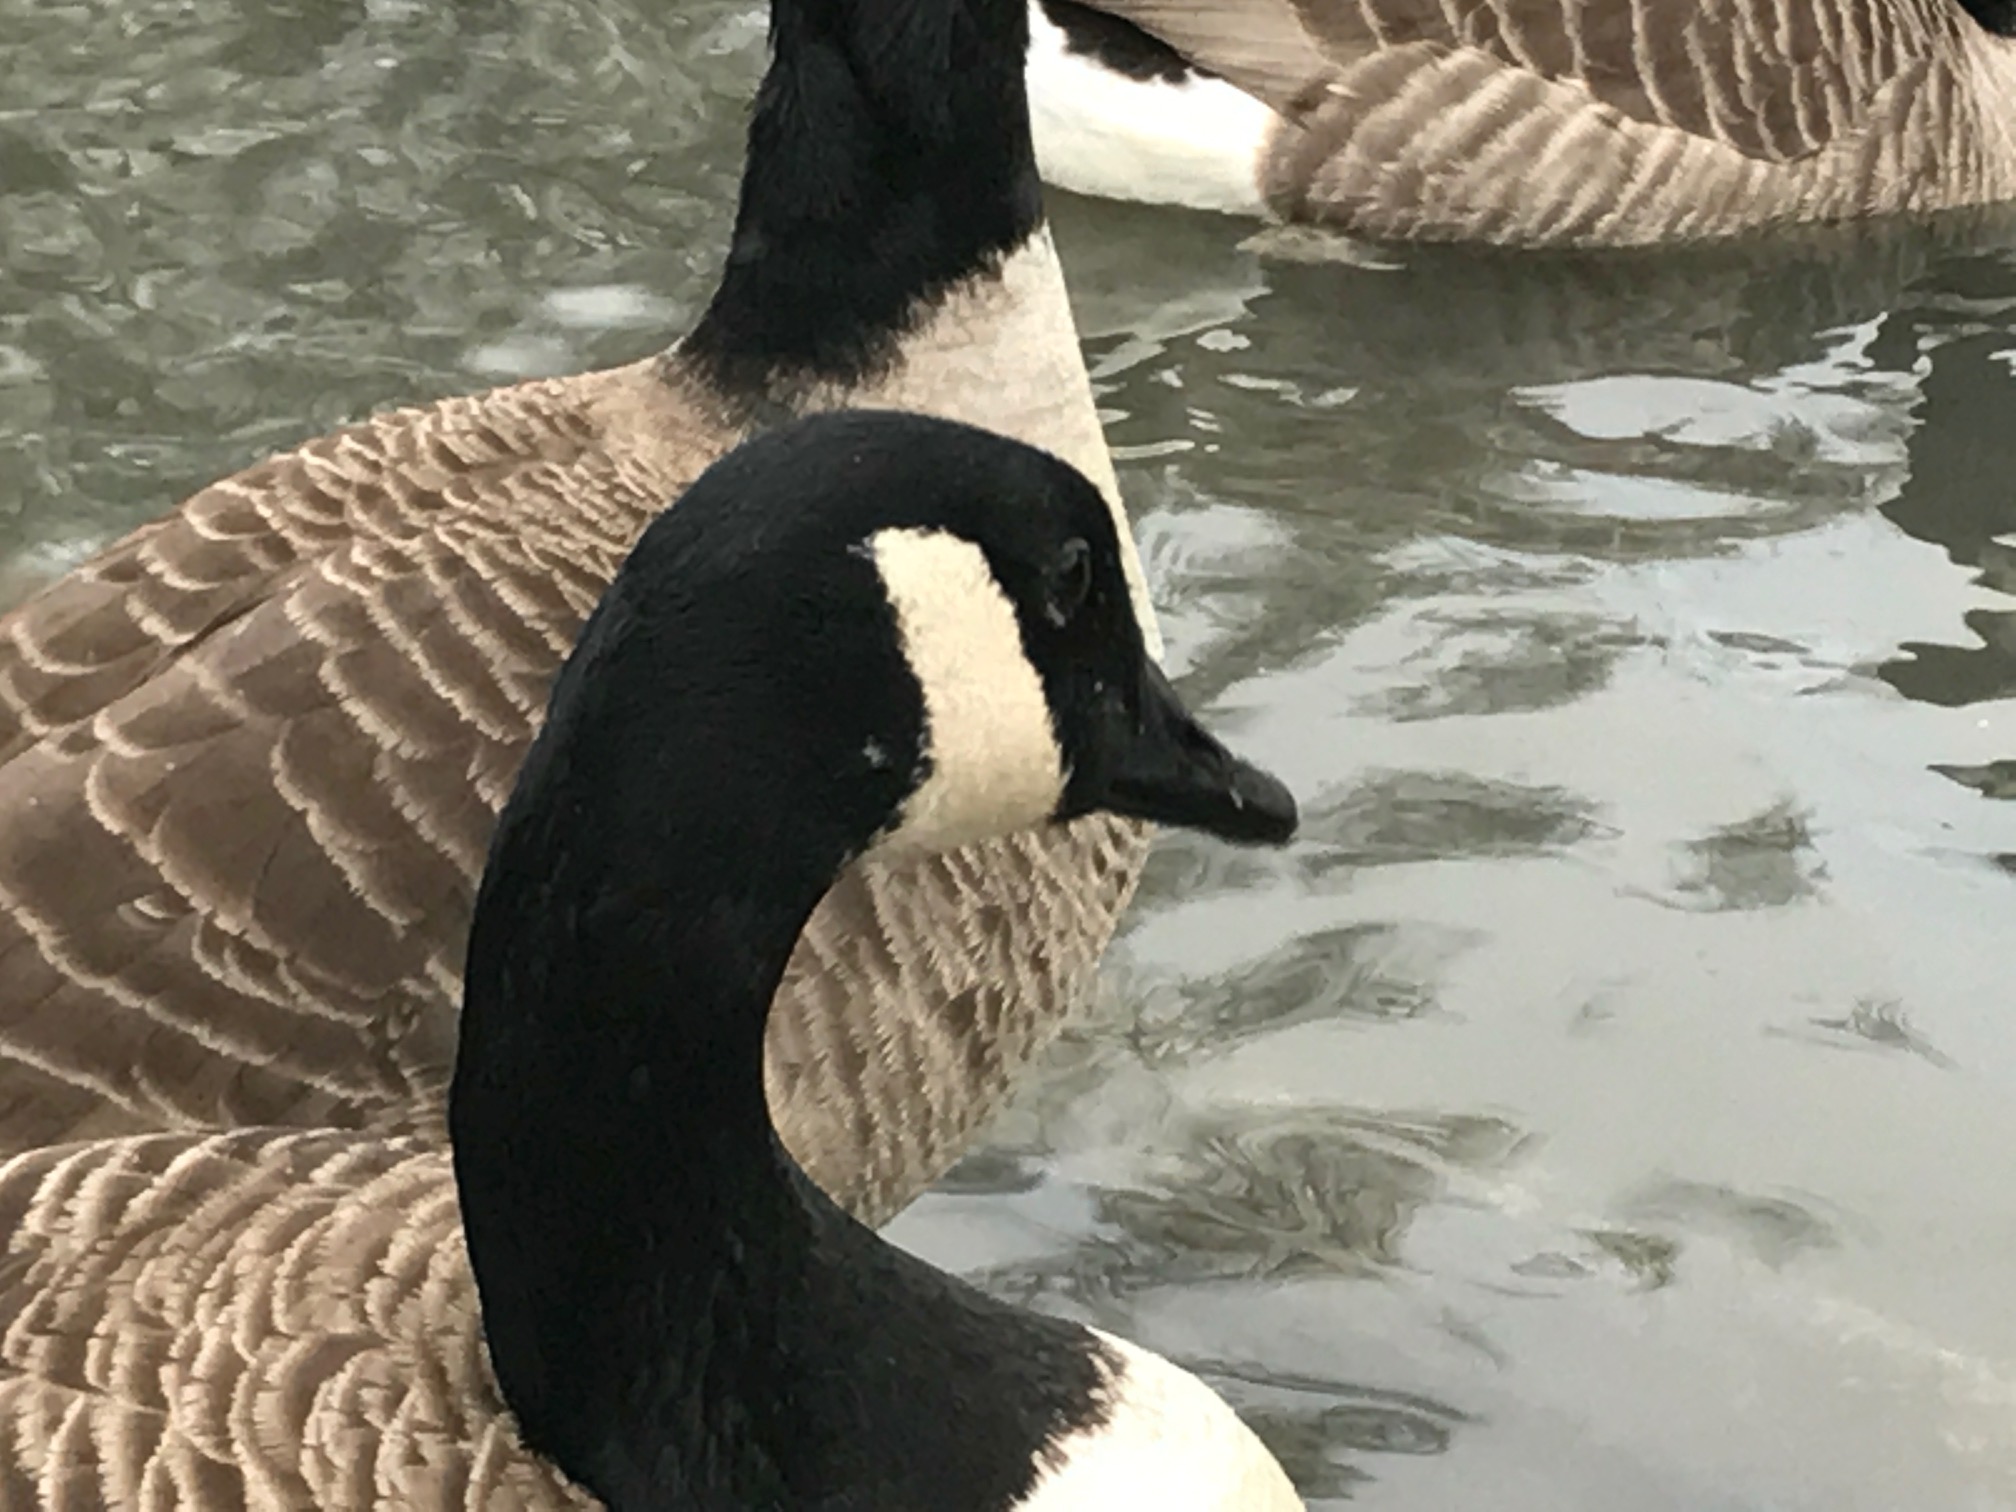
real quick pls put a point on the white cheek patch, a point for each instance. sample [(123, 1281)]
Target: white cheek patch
[(994, 762)]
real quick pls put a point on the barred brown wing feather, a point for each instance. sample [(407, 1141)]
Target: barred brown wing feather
[(255, 757), (1597, 134), (1772, 79), (1606, 122), (868, 1094), (260, 1318)]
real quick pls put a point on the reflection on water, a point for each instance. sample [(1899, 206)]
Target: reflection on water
[(1962, 490), (1764, 861), (1572, 596), (1606, 1103)]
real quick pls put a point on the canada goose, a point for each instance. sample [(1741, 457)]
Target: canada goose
[(251, 755), (861, 631), (1530, 122)]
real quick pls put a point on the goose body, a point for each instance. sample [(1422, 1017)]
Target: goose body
[(251, 755), (1531, 122), (618, 1288)]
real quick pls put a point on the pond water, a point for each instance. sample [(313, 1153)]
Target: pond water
[(1610, 1101)]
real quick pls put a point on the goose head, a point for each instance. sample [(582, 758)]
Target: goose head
[(880, 615), (1038, 699)]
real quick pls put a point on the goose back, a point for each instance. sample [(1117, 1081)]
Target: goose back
[(1607, 122), (334, 1361)]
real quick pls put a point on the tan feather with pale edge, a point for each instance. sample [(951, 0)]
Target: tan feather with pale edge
[(1609, 122), (251, 757), (257, 1319)]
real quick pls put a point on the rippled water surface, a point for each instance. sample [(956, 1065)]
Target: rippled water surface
[(1611, 1101)]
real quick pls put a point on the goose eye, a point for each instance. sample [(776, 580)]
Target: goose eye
[(1070, 581)]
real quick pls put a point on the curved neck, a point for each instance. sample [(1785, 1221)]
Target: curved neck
[(889, 160), (631, 1217), (627, 1205)]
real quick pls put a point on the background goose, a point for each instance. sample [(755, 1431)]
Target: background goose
[(251, 755), (863, 631), (1531, 122)]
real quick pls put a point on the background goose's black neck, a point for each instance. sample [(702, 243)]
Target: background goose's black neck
[(889, 159), (1998, 16)]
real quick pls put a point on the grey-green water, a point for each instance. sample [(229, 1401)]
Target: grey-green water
[(1610, 1103)]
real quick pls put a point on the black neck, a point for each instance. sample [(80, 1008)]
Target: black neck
[(677, 1317), (1998, 16), (628, 1207), (889, 159)]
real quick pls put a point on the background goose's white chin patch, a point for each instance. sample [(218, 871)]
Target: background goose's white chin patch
[(994, 762)]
